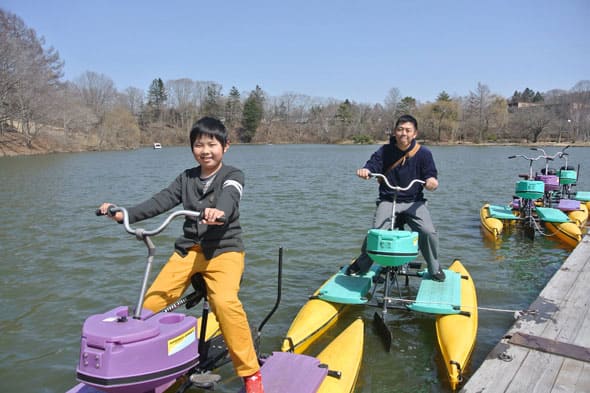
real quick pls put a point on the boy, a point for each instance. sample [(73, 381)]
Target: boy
[(209, 247), (401, 161)]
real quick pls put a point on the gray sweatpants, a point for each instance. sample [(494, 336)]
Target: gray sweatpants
[(417, 216)]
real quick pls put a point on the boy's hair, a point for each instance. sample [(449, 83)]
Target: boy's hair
[(406, 119), (208, 126)]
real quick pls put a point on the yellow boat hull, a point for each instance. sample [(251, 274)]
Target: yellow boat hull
[(344, 354), (492, 226), (456, 333), (314, 318), (579, 217), (567, 233)]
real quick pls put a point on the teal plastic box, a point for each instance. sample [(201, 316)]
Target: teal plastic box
[(567, 176), (530, 189), (392, 248)]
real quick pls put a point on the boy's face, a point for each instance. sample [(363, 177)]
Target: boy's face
[(208, 152)]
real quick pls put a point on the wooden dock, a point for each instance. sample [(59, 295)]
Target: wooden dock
[(547, 351)]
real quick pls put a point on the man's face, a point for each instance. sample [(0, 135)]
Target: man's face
[(405, 133)]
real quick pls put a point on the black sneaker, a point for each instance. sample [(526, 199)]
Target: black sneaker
[(438, 276)]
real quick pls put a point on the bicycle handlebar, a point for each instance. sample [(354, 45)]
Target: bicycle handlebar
[(559, 154), (396, 188), (139, 232), (525, 157)]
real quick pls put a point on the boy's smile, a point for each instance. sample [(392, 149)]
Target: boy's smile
[(208, 152)]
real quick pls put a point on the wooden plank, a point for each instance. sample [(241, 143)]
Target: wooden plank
[(498, 370), (563, 316), (574, 376), (535, 373), (551, 346)]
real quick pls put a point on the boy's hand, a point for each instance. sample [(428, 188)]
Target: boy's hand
[(212, 216), (104, 209)]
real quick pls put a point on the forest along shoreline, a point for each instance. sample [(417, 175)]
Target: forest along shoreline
[(16, 144)]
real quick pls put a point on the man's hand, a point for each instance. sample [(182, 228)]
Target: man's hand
[(363, 173), (431, 184)]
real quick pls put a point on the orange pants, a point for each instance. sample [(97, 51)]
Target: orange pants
[(222, 275)]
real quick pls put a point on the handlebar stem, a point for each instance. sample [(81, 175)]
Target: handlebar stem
[(145, 236), (395, 189)]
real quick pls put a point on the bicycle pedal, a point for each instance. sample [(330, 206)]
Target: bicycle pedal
[(205, 381)]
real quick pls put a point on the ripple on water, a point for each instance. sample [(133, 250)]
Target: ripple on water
[(60, 263)]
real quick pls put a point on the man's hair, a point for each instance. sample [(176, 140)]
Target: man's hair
[(209, 126), (406, 119)]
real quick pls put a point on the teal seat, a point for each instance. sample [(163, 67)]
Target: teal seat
[(439, 297), (550, 214), (583, 196), (348, 289), (501, 212)]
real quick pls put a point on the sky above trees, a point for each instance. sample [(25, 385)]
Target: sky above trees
[(344, 50)]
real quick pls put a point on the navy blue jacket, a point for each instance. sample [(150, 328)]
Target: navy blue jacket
[(420, 166)]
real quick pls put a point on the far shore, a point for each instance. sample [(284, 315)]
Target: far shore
[(14, 144)]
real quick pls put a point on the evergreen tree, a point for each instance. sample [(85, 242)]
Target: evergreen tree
[(515, 97), (233, 108), (156, 98), (443, 96), (344, 113), (252, 114), (407, 105), (211, 107), (527, 95)]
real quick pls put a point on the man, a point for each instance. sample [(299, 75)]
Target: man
[(401, 161)]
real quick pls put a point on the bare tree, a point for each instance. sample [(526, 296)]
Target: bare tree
[(29, 76), (74, 115), (531, 121), (132, 99), (98, 92), (478, 103), (391, 106)]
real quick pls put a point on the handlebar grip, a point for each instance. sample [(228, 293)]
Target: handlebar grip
[(511, 156), (110, 211)]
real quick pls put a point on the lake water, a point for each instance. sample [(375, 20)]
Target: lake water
[(59, 263)]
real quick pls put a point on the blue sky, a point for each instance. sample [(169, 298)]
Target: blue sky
[(342, 49)]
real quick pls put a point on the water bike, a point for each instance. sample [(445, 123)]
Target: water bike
[(559, 188), (393, 252), (568, 179), (139, 351), (531, 207)]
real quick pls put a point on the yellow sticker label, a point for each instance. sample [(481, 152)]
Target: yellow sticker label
[(182, 341)]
